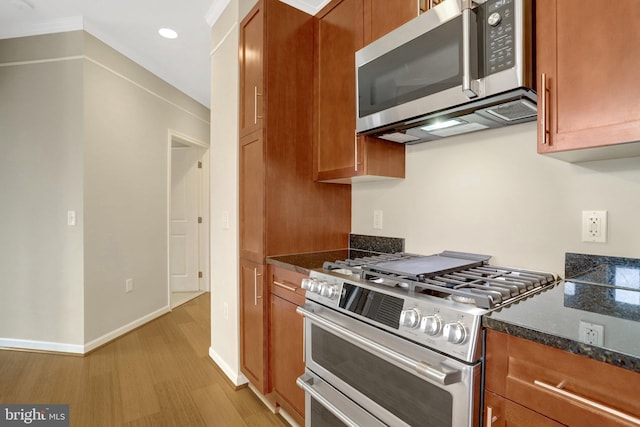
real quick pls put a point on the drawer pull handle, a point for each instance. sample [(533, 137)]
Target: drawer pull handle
[(603, 408), (282, 285)]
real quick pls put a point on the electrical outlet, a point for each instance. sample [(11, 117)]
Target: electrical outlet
[(128, 285), (594, 226), (377, 219), (591, 333)]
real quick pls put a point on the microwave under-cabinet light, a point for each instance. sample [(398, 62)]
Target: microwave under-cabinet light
[(442, 125)]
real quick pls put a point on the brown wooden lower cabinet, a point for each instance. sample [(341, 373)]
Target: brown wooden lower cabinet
[(501, 412), (253, 322), (570, 389), (286, 362)]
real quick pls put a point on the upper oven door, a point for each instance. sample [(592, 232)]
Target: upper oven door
[(397, 381), (420, 67)]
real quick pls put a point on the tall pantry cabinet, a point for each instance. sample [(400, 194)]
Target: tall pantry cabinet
[(282, 210)]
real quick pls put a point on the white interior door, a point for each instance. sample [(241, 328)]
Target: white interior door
[(184, 242)]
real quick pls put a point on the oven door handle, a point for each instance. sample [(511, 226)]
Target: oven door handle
[(305, 382), (420, 367)]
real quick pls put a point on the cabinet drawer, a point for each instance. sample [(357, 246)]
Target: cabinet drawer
[(286, 284), (571, 389), (501, 412)]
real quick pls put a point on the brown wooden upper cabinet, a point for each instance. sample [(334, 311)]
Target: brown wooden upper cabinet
[(588, 91), (251, 72), (341, 28)]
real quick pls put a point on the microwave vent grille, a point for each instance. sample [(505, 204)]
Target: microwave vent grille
[(515, 110)]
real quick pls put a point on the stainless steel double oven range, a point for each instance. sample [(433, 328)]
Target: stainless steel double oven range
[(396, 339)]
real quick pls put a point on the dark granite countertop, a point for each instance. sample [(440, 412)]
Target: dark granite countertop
[(359, 246), (602, 291)]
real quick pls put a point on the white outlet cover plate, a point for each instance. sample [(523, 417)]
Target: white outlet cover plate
[(594, 233)]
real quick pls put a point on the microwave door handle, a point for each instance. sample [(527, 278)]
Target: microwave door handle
[(466, 50)]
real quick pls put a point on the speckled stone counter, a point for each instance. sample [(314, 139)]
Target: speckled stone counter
[(599, 290), (359, 246)]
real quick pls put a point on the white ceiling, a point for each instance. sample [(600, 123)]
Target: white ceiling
[(131, 27)]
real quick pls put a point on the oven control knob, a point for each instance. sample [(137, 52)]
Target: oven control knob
[(306, 283), (455, 332), (410, 318), (311, 285), (431, 325), (329, 291), (494, 19), (318, 286)]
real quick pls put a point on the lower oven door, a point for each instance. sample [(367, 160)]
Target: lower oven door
[(394, 380), (327, 407)]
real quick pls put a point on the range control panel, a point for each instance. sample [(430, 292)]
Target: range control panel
[(440, 324)]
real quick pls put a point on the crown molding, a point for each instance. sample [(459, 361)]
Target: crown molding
[(311, 7), (25, 29), (215, 11)]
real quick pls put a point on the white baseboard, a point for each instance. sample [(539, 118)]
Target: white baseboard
[(288, 418), (235, 377), (270, 406), (79, 348), (41, 346), (124, 329)]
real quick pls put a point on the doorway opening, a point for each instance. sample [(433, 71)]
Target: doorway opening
[(188, 219)]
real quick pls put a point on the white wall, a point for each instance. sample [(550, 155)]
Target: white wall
[(490, 192), (83, 128), (41, 167), (128, 113), (224, 194)]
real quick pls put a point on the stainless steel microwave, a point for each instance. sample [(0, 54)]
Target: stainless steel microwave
[(460, 67)]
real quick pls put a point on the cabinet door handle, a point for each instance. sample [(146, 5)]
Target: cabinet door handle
[(490, 417), (255, 105), (355, 150), (282, 285), (544, 108), (588, 402), (255, 286)]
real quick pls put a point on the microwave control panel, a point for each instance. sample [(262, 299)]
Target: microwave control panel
[(499, 28)]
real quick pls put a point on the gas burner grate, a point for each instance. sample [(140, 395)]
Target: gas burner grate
[(485, 286)]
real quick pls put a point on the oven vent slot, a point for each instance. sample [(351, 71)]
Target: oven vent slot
[(387, 312)]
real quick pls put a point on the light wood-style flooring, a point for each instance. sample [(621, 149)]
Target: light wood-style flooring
[(157, 375)]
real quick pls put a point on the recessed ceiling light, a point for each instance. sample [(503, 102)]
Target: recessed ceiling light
[(168, 33)]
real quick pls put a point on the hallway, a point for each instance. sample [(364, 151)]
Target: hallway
[(157, 375)]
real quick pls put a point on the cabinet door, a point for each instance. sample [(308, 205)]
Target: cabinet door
[(339, 154), (571, 389), (590, 60), (252, 197), (500, 412), (383, 16), (338, 34), (251, 53), (253, 322), (286, 338)]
